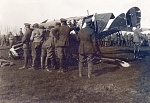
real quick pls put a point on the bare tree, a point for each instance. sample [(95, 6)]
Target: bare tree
[(15, 30), (7, 29)]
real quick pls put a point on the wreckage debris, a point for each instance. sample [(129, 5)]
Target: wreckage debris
[(4, 63)]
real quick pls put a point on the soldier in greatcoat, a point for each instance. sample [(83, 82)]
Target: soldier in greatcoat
[(48, 51), (26, 46), (87, 48), (62, 44), (136, 41)]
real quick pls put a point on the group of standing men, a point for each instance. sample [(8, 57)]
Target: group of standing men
[(8, 40), (44, 43), (117, 39)]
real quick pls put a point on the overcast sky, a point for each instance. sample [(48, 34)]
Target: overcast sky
[(17, 12)]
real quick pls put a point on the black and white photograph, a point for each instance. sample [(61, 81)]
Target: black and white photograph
[(74, 51)]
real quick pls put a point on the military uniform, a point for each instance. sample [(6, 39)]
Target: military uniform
[(109, 40), (37, 40), (48, 50), (137, 42), (87, 48), (11, 39), (26, 45), (129, 39), (102, 42), (112, 40), (3, 41), (121, 40), (115, 39), (62, 44), (126, 39), (20, 34)]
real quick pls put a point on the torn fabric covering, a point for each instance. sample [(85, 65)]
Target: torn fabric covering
[(119, 23), (101, 21)]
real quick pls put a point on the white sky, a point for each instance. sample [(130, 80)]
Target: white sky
[(16, 12)]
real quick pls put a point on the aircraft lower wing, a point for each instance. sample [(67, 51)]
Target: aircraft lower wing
[(103, 34)]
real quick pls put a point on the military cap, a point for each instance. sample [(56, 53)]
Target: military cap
[(63, 20), (36, 25), (27, 24), (41, 27)]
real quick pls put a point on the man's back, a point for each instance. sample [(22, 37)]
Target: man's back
[(86, 37), (50, 40), (63, 39), (26, 38), (85, 34), (37, 35), (126, 37), (129, 36), (27, 35), (136, 36)]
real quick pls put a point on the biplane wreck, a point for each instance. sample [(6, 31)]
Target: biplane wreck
[(123, 22)]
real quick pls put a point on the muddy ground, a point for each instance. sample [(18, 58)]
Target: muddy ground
[(112, 83)]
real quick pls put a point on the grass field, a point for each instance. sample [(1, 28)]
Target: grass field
[(112, 83)]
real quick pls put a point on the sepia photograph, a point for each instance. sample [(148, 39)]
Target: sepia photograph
[(74, 51)]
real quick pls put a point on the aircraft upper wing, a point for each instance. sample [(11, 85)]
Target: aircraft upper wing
[(50, 23), (75, 18)]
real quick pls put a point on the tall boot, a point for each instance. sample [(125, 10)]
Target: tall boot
[(29, 62), (26, 62), (53, 64), (61, 67), (47, 62), (33, 63), (25, 66), (135, 54), (90, 69), (65, 66), (80, 69), (42, 62)]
